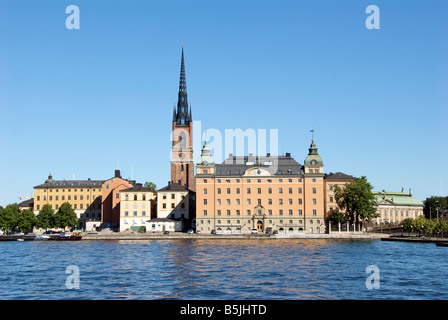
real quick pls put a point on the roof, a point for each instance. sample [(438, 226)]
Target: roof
[(27, 203), (237, 165), (172, 186), (397, 198), (138, 187), (70, 184), (338, 176)]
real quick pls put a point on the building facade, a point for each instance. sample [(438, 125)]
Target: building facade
[(137, 206), (394, 207), (83, 195), (331, 180), (176, 202), (266, 193), (182, 164), (110, 205)]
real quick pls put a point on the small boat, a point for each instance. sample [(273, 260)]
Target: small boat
[(442, 244), (41, 237), (68, 236), (20, 239)]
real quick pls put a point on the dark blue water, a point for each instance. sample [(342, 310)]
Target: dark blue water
[(223, 269)]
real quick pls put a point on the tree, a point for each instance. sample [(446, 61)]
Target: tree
[(337, 217), (66, 216), (9, 217), (434, 206), (150, 185), (408, 225), (356, 199), (26, 220), (46, 218)]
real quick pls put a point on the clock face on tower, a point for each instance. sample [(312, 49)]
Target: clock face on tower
[(313, 161)]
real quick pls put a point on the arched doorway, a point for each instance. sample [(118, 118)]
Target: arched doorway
[(260, 226)]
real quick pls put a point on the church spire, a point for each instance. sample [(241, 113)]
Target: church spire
[(182, 117)]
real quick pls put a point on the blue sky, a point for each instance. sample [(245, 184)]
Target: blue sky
[(84, 102)]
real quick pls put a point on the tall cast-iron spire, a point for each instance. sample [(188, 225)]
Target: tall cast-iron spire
[(182, 116)]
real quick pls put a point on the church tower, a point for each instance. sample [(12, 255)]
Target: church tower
[(182, 165)]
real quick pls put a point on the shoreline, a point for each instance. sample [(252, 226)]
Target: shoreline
[(184, 236), (177, 236)]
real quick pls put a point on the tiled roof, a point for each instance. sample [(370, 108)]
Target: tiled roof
[(172, 186), (237, 165), (70, 184), (338, 176)]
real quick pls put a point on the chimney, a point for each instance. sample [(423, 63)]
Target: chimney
[(117, 174), (288, 155)]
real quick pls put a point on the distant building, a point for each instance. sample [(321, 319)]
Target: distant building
[(27, 204), (331, 180), (137, 207), (110, 209), (176, 202), (394, 207), (83, 195), (266, 193)]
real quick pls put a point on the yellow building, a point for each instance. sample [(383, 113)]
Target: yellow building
[(248, 194), (137, 207), (83, 195)]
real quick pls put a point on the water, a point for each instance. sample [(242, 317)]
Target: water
[(223, 269)]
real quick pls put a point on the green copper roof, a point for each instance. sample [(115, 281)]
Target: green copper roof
[(397, 198)]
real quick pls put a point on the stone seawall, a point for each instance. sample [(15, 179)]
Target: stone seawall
[(175, 236)]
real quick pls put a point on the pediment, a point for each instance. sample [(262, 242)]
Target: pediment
[(257, 172)]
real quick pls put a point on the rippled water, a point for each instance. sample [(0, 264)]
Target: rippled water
[(223, 269)]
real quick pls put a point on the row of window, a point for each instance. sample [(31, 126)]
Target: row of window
[(249, 201), (173, 205), (399, 212), (238, 222), (259, 190), (135, 213), (249, 212), (75, 206), (69, 197), (70, 190), (280, 180), (288, 171)]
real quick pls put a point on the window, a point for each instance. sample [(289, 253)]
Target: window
[(51, 198), (280, 201), (290, 201), (144, 197), (270, 190), (228, 212), (314, 200), (280, 190), (331, 187), (280, 212), (173, 196), (228, 190), (164, 205), (270, 212), (205, 190), (205, 201), (300, 212), (248, 212), (248, 201), (290, 212), (228, 201), (248, 190), (126, 213), (269, 201), (314, 212), (107, 187), (290, 190), (259, 190), (219, 190), (237, 190), (300, 190), (143, 213), (238, 201), (219, 212), (172, 206), (300, 200), (314, 190), (164, 196), (331, 199), (237, 212)]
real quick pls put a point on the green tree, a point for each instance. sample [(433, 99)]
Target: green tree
[(408, 225), (46, 217), (66, 216), (26, 220), (434, 206), (337, 217), (9, 217), (150, 185), (356, 199)]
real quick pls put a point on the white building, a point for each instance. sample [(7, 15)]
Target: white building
[(394, 207)]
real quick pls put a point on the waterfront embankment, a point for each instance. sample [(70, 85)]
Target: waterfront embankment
[(180, 235)]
